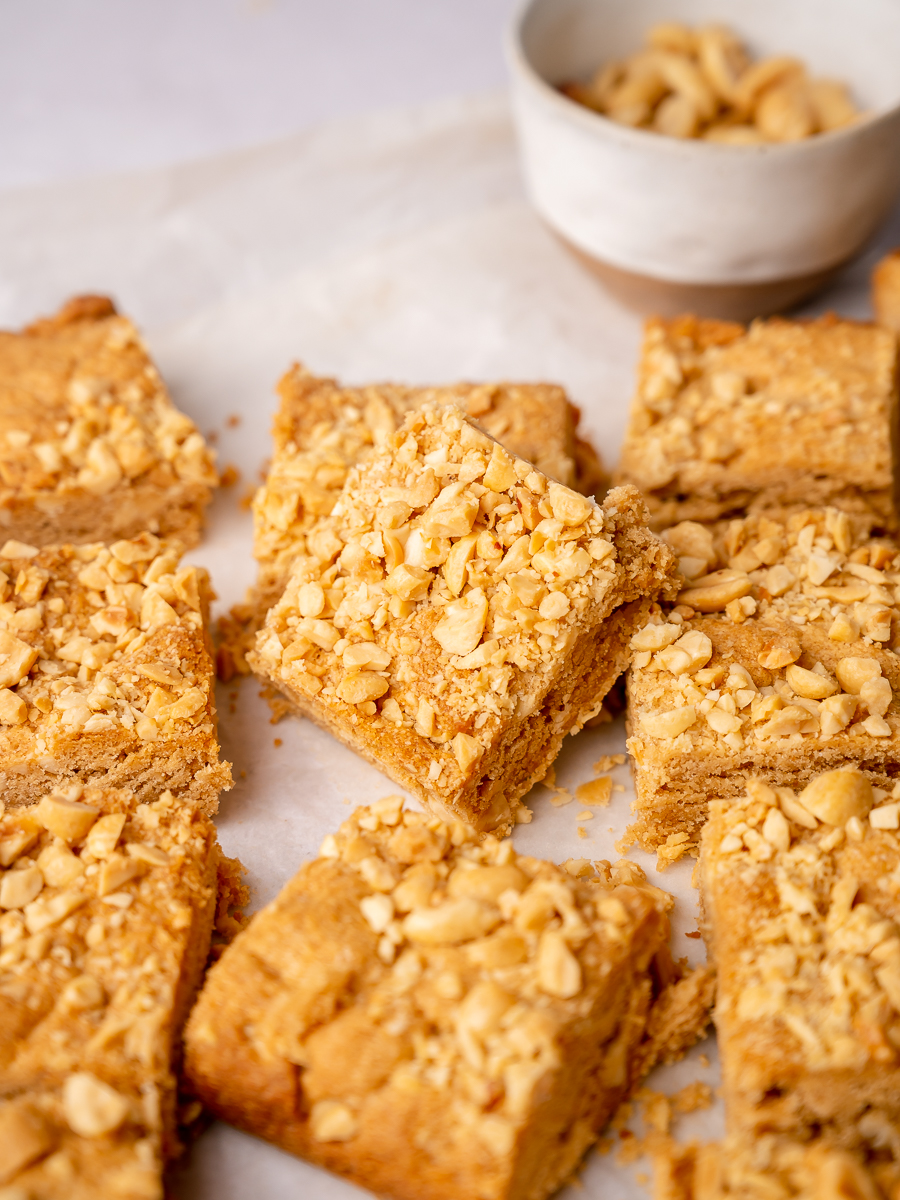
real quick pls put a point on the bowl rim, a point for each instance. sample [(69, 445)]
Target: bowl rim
[(518, 62)]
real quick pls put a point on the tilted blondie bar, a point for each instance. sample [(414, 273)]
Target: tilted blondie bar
[(886, 291), (801, 904), (785, 413), (106, 911), (773, 1168), (323, 429), (91, 446), (432, 1015), (460, 614), (105, 671), (778, 660)]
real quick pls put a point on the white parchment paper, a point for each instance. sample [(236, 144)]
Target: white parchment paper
[(401, 247)]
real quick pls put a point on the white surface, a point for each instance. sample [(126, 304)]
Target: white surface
[(696, 212), (396, 248), (103, 85)]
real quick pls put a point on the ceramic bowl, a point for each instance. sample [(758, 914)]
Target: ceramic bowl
[(675, 224)]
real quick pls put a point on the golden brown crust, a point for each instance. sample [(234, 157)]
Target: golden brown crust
[(886, 291), (108, 905), (429, 1014), (780, 415), (106, 671), (91, 446), (485, 608), (785, 667)]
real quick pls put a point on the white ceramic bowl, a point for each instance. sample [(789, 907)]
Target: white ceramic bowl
[(745, 229)]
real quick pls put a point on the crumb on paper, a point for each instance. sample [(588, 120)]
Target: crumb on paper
[(246, 499), (242, 774), (694, 933), (523, 815), (230, 476), (618, 787), (577, 867), (675, 846), (695, 876), (626, 841), (703, 1060), (233, 421), (277, 742), (582, 832), (561, 797), (606, 762), (586, 815), (595, 791), (695, 1096)]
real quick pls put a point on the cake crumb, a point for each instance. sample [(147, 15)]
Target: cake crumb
[(230, 476), (277, 742), (233, 421), (596, 791), (694, 1096), (561, 797), (587, 815), (606, 762), (582, 832), (523, 815)]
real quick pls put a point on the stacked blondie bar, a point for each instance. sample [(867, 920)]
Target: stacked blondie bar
[(109, 758)]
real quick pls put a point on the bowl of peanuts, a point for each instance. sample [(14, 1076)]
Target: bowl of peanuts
[(720, 156)]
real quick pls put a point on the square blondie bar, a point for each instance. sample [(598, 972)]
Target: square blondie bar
[(801, 901), (431, 1015), (778, 659), (323, 429), (886, 291), (459, 614), (91, 446), (106, 911), (728, 419), (105, 671)]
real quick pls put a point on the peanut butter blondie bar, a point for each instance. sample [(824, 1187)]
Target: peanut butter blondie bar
[(778, 659), (773, 1168), (801, 904), (91, 446), (323, 429), (728, 419), (105, 671), (432, 1015), (886, 291), (460, 613), (106, 911)]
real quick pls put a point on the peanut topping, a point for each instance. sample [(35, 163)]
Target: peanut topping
[(814, 657), (727, 417), (82, 629), (801, 895), (471, 961), (92, 1108), (103, 421)]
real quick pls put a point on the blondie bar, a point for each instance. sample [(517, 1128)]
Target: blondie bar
[(801, 901), (460, 613), (779, 660), (432, 1015), (886, 291), (773, 1168), (785, 413), (106, 911), (91, 446), (105, 671)]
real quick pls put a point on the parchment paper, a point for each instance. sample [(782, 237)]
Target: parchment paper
[(399, 247)]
